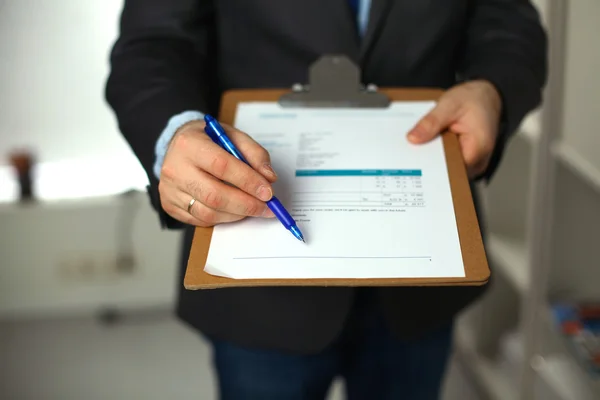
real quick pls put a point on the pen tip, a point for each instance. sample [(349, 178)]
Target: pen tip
[(297, 234)]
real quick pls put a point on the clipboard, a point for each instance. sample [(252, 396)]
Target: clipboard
[(334, 82)]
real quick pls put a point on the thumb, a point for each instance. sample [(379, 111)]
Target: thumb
[(432, 124)]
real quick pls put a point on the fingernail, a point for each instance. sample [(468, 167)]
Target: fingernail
[(269, 170), (267, 213), (413, 136), (264, 193)]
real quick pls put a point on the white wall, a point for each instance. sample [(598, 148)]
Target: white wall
[(53, 68), (580, 128), (58, 257)]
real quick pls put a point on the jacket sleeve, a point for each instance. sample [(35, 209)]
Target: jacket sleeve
[(158, 69), (506, 44)]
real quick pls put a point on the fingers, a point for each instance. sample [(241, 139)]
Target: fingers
[(177, 203), (225, 189), (438, 119), (254, 153), (187, 218), (211, 192), (204, 214), (171, 203), (201, 216), (207, 156), (219, 196), (475, 154)]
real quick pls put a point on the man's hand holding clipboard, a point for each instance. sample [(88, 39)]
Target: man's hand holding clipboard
[(472, 111)]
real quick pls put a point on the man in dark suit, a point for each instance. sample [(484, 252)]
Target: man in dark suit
[(170, 65)]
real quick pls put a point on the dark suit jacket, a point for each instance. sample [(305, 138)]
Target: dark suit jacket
[(181, 55)]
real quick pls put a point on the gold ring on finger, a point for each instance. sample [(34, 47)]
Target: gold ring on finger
[(191, 203)]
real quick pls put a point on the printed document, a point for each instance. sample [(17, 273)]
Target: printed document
[(369, 203)]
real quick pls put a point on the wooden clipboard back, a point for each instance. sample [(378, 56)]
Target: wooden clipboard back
[(474, 257)]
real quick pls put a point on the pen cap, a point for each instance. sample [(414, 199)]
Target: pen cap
[(214, 125), (218, 135)]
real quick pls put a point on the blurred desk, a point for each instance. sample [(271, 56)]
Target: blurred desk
[(60, 257)]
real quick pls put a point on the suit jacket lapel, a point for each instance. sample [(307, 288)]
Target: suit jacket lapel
[(377, 15)]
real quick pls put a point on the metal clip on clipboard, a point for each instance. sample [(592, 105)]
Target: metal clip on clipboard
[(334, 82)]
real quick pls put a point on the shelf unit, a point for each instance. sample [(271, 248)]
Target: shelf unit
[(542, 218), (560, 379), (579, 165), (487, 375), (510, 255), (557, 352)]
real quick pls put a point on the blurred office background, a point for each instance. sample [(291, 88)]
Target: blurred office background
[(87, 278)]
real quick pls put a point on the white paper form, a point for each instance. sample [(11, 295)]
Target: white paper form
[(369, 203)]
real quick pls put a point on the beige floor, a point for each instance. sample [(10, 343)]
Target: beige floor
[(148, 356)]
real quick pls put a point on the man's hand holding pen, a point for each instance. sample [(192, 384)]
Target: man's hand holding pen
[(223, 188)]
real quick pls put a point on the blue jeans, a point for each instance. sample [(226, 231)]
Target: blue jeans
[(373, 364)]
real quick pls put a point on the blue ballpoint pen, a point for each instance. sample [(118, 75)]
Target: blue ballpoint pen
[(217, 134)]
